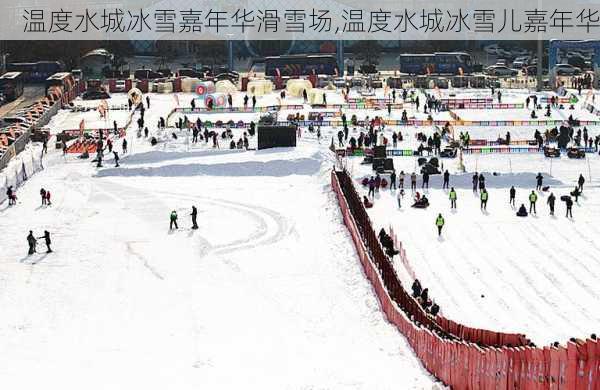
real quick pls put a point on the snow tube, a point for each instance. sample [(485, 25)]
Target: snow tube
[(217, 99), (205, 88), (135, 95)]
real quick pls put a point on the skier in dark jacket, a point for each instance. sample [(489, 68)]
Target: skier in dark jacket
[(550, 201), (481, 182), (569, 203), (173, 220), (47, 241), (43, 195), (539, 179), (31, 241), (446, 179), (580, 182), (475, 181), (513, 193), (194, 215)]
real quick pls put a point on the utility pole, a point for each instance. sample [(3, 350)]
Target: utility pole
[(540, 63)]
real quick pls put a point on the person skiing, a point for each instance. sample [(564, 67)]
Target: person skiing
[(512, 194), (124, 145), (116, 158), (452, 197), (43, 195), (446, 179), (475, 181), (569, 204), (532, 200), (484, 199), (32, 242), (393, 180), (580, 183), (47, 241), (539, 179), (439, 222), (173, 220), (194, 215), (550, 201)]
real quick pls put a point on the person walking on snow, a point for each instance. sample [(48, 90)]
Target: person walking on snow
[(124, 145), (439, 222), (475, 181), (539, 178), (399, 197), (47, 241), (550, 201), (452, 197), (513, 193), (48, 202), (580, 182), (116, 158), (569, 204), (425, 183), (532, 200), (371, 186), (194, 215), (32, 242), (413, 181), (393, 180), (173, 220), (446, 179), (43, 195), (484, 199)]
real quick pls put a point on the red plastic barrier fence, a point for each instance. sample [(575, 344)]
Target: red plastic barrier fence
[(457, 362)]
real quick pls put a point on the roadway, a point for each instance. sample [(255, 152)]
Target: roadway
[(31, 94)]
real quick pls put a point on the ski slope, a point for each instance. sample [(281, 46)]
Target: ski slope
[(268, 293), (490, 269)]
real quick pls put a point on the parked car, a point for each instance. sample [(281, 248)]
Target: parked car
[(500, 70), (567, 70), (518, 65)]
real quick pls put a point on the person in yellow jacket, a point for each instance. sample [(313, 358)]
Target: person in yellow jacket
[(484, 198), (532, 199), (452, 197), (439, 222)]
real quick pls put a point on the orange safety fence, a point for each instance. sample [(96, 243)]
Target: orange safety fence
[(453, 358)]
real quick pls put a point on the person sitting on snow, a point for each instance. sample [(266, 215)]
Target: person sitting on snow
[(368, 204), (522, 211)]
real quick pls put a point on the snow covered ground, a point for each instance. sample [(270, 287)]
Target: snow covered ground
[(260, 296), (490, 269), (268, 293)]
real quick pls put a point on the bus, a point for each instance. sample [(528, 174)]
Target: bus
[(36, 71), (12, 85), (436, 63), (296, 65), (64, 84)]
